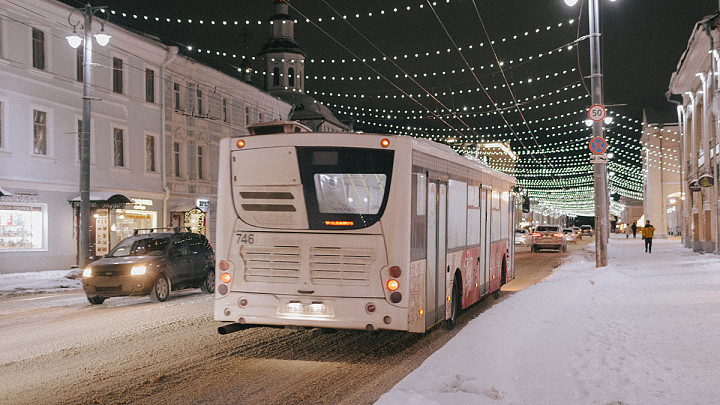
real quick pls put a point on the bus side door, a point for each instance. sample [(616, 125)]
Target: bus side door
[(436, 252)]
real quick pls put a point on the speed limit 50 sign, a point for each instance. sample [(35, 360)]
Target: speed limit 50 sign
[(596, 112)]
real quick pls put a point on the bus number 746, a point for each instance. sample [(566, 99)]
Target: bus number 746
[(246, 238)]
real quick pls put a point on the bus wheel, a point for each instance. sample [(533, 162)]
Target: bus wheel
[(503, 273), (455, 304), (161, 289), (96, 300)]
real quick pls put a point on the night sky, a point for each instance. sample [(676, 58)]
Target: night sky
[(641, 47)]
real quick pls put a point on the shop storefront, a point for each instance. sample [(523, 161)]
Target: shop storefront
[(23, 223), (197, 218), (35, 230), (114, 218)]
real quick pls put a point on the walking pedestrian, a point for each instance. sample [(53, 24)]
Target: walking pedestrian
[(647, 234), (634, 229), (627, 231)]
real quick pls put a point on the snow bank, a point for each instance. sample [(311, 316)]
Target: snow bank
[(642, 330)]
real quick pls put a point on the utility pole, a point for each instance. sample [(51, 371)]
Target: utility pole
[(602, 208)]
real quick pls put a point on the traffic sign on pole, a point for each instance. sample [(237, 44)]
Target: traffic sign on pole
[(596, 112), (599, 159), (598, 145)]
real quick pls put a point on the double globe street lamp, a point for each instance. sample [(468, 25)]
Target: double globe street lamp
[(75, 40)]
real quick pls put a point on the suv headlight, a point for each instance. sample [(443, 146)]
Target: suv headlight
[(138, 270), (87, 272)]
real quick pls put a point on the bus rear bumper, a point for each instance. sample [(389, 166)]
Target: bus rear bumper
[(312, 312)]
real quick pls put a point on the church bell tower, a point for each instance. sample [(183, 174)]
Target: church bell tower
[(283, 62)]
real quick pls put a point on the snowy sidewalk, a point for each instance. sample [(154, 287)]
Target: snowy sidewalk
[(643, 330), (36, 282)]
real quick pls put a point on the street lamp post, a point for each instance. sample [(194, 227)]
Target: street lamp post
[(602, 208), (74, 40)]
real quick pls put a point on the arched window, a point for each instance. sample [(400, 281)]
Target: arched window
[(276, 77), (291, 77)]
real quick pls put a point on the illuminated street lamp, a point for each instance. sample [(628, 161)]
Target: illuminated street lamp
[(602, 203), (75, 40)]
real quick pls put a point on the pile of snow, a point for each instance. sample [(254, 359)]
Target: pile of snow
[(641, 330), (38, 281)]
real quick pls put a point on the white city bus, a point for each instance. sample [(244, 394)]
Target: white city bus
[(356, 231)]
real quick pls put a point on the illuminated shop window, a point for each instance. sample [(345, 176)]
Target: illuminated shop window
[(22, 226)]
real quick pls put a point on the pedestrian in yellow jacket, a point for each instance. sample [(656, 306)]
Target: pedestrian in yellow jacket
[(648, 231)]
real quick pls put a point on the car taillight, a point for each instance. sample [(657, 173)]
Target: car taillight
[(536, 235), (557, 235)]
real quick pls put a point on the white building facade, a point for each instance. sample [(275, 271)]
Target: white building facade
[(662, 197), (694, 88), (156, 121)]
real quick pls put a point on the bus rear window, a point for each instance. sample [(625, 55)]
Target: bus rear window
[(343, 193), (345, 188)]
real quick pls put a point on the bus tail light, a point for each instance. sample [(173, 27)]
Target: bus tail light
[(395, 297), (225, 277), (395, 272), (240, 143), (223, 265), (385, 143), (393, 285), (370, 307)]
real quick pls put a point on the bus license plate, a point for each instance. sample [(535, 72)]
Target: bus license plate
[(316, 308)]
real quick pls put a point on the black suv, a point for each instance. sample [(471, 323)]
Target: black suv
[(152, 263)]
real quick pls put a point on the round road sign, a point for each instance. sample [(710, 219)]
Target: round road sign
[(598, 145), (596, 112)]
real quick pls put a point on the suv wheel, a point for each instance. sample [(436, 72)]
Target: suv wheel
[(161, 289), (96, 300), (208, 286)]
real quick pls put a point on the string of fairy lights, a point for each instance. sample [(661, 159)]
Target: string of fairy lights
[(561, 181)]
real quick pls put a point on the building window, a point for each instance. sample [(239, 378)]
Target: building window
[(176, 158), (198, 93), (260, 117), (225, 115), (149, 85), (80, 63), (39, 132), (201, 172), (247, 115), (291, 77), (118, 147), (176, 92), (276, 77), (22, 226), (150, 153), (117, 75), (38, 49)]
